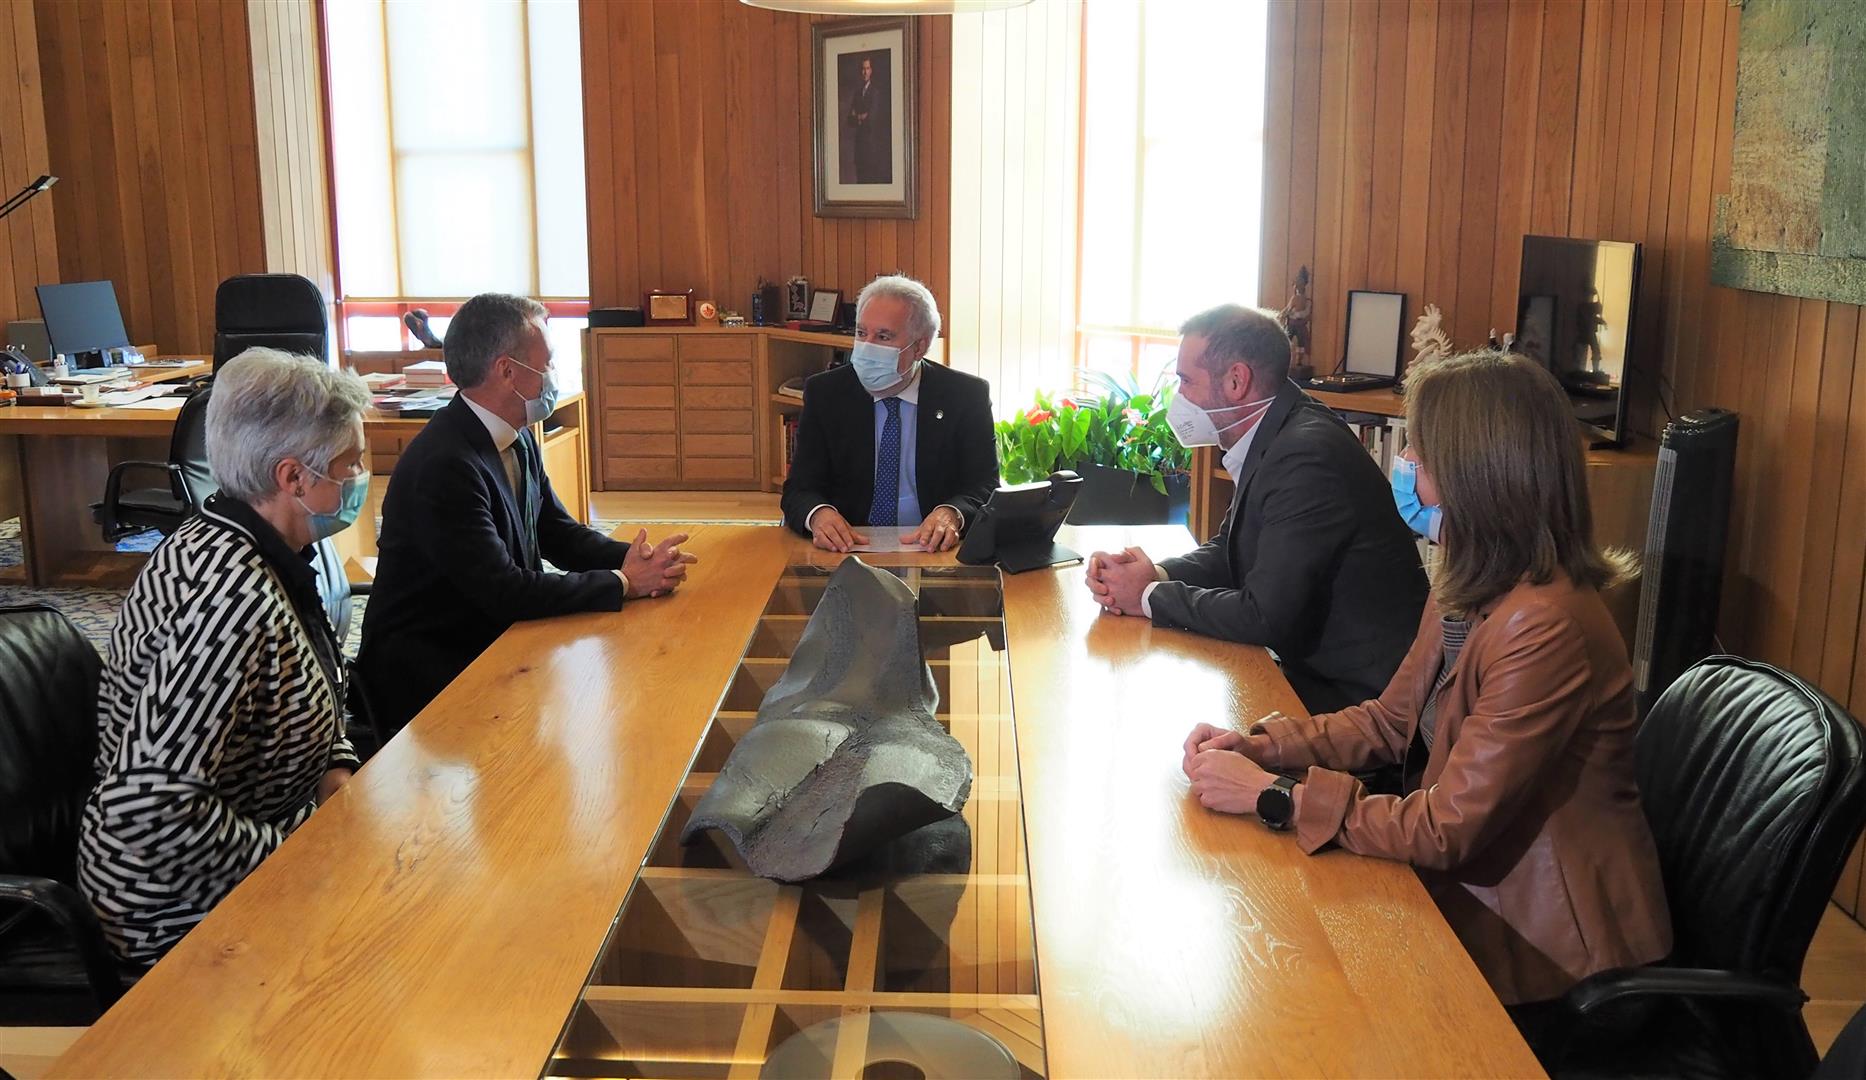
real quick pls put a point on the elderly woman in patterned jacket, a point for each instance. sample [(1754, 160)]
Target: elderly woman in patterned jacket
[(221, 709)]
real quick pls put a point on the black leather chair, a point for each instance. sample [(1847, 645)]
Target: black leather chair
[(1754, 785), (189, 481), (54, 965), (1846, 1058), (278, 311)]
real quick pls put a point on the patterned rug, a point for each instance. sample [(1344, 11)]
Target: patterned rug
[(94, 611)]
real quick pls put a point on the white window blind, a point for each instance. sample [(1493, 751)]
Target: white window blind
[(457, 147), (1172, 178)]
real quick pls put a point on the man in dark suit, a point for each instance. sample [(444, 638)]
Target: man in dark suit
[(470, 516), (869, 123), (1313, 561), (888, 440)]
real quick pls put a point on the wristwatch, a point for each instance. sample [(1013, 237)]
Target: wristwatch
[(1276, 807)]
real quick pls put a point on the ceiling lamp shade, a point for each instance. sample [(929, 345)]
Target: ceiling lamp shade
[(885, 7)]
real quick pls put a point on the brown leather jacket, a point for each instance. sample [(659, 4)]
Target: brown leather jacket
[(1526, 828)]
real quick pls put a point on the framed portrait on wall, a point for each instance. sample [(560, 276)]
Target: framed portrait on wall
[(865, 131)]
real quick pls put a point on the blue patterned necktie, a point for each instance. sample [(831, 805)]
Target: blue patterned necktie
[(886, 507)]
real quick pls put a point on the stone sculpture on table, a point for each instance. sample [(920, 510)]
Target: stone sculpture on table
[(845, 755)]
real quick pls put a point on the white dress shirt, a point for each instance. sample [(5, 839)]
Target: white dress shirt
[(1234, 464), (503, 436)]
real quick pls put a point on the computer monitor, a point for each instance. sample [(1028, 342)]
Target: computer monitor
[(82, 320), (1577, 315)]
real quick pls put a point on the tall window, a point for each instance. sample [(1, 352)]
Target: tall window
[(457, 156), (1172, 189)]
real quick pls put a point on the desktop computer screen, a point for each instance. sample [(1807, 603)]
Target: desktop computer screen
[(82, 320)]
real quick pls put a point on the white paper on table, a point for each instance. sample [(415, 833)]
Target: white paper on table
[(162, 404), (883, 541)]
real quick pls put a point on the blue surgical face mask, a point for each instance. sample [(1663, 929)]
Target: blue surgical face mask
[(355, 492), (1427, 521), (536, 409), (878, 366)]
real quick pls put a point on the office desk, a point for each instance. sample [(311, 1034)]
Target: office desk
[(62, 456), (440, 915)]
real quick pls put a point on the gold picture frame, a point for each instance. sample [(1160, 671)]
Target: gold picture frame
[(865, 73)]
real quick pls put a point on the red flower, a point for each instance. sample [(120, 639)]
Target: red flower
[(1068, 404), (1039, 416)]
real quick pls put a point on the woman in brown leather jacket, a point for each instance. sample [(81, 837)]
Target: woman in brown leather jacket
[(1511, 718)]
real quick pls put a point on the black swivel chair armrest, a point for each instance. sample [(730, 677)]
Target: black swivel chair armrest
[(63, 904), (113, 484), (1645, 982)]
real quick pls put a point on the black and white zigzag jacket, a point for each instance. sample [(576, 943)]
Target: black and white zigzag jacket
[(220, 709)]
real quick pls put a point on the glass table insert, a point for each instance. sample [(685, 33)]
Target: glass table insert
[(710, 971)]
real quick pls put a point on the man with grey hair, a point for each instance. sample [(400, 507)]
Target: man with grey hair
[(1312, 561), (888, 441), (470, 517)]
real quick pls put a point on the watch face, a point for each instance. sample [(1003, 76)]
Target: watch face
[(1275, 806)]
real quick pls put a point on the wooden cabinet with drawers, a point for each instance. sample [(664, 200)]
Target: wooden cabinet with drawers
[(677, 408)]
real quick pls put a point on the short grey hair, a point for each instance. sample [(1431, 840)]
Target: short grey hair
[(267, 406), (1236, 334), (485, 328), (923, 312)]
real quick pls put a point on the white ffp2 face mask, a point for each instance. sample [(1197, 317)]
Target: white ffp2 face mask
[(1193, 426)]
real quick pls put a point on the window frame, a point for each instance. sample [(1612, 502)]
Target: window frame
[(344, 307)]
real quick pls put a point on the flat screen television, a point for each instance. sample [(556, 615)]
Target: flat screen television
[(1575, 314)]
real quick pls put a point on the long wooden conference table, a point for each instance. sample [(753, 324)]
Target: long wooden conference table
[(441, 915)]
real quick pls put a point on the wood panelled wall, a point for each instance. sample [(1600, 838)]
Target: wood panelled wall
[(288, 88), (28, 241), (698, 149), (1411, 145), (150, 120)]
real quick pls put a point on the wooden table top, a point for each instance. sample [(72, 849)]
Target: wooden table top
[(132, 422), (440, 915)]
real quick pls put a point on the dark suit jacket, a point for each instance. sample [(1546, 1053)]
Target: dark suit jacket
[(955, 450), (460, 562), (1313, 561)]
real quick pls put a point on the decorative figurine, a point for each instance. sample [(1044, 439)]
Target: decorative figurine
[(1297, 318), (1429, 340)]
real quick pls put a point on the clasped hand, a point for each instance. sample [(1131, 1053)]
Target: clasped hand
[(656, 570), (1220, 763), (1117, 580)]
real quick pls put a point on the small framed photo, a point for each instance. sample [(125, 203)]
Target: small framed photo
[(824, 304), (866, 135), (662, 308)]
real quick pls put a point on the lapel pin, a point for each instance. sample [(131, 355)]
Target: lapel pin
[(939, 414)]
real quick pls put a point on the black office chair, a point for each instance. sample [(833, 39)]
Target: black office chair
[(189, 481), (1754, 786), (278, 311), (54, 965)]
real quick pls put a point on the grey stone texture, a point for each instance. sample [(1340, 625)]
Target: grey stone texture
[(845, 756)]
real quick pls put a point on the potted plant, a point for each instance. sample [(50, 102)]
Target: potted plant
[(1115, 436)]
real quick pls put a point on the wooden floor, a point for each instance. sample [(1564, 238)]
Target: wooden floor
[(729, 506)]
